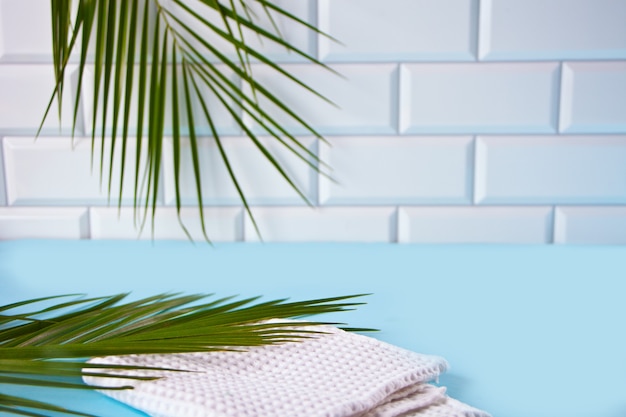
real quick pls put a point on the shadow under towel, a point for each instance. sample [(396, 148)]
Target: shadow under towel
[(330, 374)]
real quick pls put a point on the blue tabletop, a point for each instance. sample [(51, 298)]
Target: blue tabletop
[(528, 330)]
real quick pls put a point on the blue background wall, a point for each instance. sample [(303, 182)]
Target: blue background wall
[(528, 330)]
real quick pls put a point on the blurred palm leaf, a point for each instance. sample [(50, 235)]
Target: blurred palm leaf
[(42, 344), (178, 60)]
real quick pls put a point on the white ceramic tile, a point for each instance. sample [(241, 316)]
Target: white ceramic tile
[(593, 97), (398, 170), (259, 180), (223, 120), (479, 98), (552, 29), (294, 33), (551, 170), (25, 31), (398, 30), (590, 225), (49, 172), (25, 93), (222, 224), (475, 225), (364, 98), (43, 223), (336, 224), (3, 192)]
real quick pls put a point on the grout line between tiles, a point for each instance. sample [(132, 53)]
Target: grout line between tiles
[(240, 226), (472, 174), (476, 18), (552, 230), (395, 231), (5, 191), (559, 98), (88, 220), (314, 10), (397, 101), (318, 175)]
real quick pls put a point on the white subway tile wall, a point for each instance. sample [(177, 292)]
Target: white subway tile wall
[(590, 225), (479, 98), (398, 30), (43, 223), (224, 122), (25, 92), (58, 171), (260, 182), (25, 31), (398, 170), (364, 102), (3, 192), (552, 29), (550, 170), (458, 121), (593, 98), (296, 34), (224, 224), (336, 224), (475, 224)]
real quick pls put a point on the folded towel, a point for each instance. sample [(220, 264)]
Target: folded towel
[(422, 404), (333, 374)]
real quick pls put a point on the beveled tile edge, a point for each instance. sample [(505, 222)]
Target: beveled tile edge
[(3, 175), (567, 98), (560, 226), (480, 170), (484, 29)]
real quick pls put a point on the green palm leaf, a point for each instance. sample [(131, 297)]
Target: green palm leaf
[(46, 346), (151, 60)]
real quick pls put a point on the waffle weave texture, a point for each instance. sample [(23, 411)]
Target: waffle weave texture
[(334, 374)]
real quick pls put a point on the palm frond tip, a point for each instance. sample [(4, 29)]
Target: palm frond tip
[(149, 63)]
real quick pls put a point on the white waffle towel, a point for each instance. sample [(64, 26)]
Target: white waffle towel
[(334, 374)]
